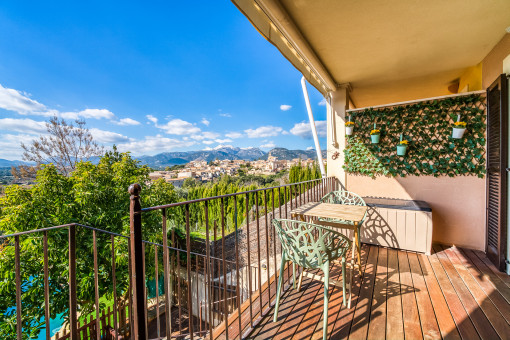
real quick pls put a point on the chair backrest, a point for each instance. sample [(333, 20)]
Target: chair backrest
[(310, 245), (343, 197)]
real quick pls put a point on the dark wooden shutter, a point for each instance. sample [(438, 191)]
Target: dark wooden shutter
[(497, 160)]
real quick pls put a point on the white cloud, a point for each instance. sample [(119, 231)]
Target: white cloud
[(310, 148), (151, 145), (285, 132), (234, 135), (22, 125), (221, 141), (152, 119), (268, 145), (103, 136), (205, 122), (126, 121), (221, 146), (205, 135), (303, 129), (285, 107), (208, 148), (19, 102), (208, 142), (322, 102), (10, 145), (177, 127), (263, 131), (88, 113), (228, 115), (14, 100)]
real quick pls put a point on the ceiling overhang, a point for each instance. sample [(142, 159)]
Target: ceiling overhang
[(370, 44)]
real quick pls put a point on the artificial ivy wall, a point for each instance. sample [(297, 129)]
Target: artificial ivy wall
[(428, 128)]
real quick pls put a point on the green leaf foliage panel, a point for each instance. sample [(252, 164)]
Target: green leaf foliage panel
[(427, 126)]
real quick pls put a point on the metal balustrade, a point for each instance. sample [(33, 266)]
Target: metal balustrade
[(216, 287)]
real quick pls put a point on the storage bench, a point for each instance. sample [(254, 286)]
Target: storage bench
[(397, 223)]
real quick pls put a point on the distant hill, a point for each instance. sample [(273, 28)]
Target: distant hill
[(222, 152), (282, 153), (7, 163)]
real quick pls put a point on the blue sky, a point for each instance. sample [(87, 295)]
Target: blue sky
[(150, 77)]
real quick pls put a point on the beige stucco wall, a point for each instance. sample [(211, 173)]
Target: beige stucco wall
[(458, 204), (492, 64), (339, 104)]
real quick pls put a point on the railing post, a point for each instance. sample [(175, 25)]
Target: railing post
[(137, 277), (73, 319)]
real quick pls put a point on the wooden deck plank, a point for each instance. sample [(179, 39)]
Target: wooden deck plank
[(394, 321), (451, 294), (291, 323), (464, 325), (377, 323), (502, 276), (412, 327), (429, 326), (482, 325), (267, 328), (335, 303), (489, 275), (499, 301), (233, 324), (342, 323), (314, 317), (444, 318), (489, 309), (359, 326)]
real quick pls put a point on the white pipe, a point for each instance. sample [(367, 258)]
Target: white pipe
[(312, 126), (331, 118)]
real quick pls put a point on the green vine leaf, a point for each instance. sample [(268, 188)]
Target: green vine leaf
[(427, 126)]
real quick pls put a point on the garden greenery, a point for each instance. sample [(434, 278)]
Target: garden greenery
[(427, 126), (96, 195)]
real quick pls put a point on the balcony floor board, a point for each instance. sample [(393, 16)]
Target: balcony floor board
[(454, 293)]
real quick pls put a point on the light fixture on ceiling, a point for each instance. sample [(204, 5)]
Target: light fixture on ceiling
[(507, 29)]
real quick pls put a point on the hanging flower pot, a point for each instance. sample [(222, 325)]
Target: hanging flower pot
[(375, 135), (349, 128), (402, 148), (458, 130)]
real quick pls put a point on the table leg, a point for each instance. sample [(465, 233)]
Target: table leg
[(358, 248)]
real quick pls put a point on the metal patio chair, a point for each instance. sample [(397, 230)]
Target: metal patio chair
[(347, 198), (312, 247)]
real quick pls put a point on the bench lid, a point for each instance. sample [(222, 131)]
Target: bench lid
[(395, 203)]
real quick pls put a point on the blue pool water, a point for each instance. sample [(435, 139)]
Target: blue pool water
[(55, 324)]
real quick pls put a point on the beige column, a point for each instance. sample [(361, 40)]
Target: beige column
[(339, 105)]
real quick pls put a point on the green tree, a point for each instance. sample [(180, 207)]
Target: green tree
[(94, 195)]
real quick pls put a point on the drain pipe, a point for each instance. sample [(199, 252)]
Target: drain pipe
[(312, 126)]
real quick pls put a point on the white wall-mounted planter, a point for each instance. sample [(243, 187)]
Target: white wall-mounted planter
[(349, 130), (457, 133), (375, 139), (401, 150)]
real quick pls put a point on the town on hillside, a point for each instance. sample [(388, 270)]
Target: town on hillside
[(207, 171)]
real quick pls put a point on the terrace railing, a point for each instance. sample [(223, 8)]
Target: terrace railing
[(210, 272)]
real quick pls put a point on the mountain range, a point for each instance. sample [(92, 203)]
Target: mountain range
[(222, 152), (5, 163)]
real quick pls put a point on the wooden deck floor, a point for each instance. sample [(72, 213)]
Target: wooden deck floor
[(454, 293)]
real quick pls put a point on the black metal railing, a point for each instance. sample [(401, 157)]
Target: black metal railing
[(217, 281)]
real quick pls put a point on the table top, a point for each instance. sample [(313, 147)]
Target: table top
[(344, 212)]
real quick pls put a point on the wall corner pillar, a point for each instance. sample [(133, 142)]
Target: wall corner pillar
[(336, 134)]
